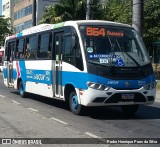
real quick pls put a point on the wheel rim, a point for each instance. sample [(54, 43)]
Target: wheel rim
[(74, 102)]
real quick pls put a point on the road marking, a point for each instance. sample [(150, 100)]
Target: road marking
[(92, 135), (34, 110), (60, 121), (97, 137), (15, 102), (2, 96)]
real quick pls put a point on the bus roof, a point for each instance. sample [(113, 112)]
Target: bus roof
[(100, 22), (43, 27)]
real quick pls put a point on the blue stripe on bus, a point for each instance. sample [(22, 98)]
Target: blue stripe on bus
[(121, 84), (78, 79), (4, 73), (19, 35)]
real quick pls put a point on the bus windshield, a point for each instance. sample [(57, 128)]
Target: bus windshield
[(113, 46)]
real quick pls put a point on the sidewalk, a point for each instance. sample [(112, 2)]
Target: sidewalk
[(157, 96)]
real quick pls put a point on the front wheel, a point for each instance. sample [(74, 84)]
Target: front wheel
[(21, 90), (75, 107), (130, 109)]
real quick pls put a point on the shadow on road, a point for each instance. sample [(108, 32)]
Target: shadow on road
[(115, 113), (102, 113)]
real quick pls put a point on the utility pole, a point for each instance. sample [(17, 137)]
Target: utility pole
[(34, 13), (137, 17), (88, 10)]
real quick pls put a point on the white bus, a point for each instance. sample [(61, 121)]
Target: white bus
[(85, 63)]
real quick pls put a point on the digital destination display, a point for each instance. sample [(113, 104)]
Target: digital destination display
[(95, 31)]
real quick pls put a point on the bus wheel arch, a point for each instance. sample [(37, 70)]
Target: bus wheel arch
[(72, 98), (21, 88)]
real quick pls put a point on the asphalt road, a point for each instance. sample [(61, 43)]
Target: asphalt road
[(41, 117)]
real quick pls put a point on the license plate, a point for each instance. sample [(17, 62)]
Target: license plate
[(127, 96)]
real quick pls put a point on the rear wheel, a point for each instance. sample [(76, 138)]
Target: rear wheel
[(21, 90), (75, 107), (130, 109)]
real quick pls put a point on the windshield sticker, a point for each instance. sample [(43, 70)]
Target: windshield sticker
[(103, 60), (89, 49), (119, 62), (104, 56)]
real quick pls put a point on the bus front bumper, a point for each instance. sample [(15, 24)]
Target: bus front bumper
[(93, 97)]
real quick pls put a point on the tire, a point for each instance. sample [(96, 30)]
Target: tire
[(22, 92), (75, 107), (130, 109)]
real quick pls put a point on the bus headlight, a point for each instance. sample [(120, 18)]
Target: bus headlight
[(97, 86), (150, 86)]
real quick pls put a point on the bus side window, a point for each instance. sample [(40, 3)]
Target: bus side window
[(44, 46), (72, 53), (32, 47), (68, 52), (6, 52), (20, 49), (78, 54), (10, 50)]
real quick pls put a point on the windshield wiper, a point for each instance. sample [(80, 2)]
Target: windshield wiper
[(138, 65), (110, 67)]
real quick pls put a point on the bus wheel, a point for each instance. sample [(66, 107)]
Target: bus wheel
[(130, 109), (75, 107), (21, 90)]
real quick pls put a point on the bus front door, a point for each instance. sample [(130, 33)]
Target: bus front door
[(8, 64), (58, 39)]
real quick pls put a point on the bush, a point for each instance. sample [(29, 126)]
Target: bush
[(156, 68)]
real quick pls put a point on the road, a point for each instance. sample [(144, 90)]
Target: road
[(41, 117)]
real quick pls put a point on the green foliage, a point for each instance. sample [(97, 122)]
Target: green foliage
[(152, 20), (96, 10), (158, 86), (5, 29), (49, 15), (71, 10), (119, 11)]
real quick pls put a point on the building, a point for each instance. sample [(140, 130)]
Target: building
[(6, 8), (21, 12)]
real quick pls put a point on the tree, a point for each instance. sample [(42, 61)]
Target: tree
[(96, 9), (151, 23), (118, 11), (151, 20), (5, 29), (71, 10)]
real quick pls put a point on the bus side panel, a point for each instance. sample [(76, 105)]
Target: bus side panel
[(38, 77)]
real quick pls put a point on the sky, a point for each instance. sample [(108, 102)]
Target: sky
[(0, 7)]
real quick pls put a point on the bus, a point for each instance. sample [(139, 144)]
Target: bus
[(86, 63)]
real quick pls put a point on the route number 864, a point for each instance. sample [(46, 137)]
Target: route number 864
[(95, 31)]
